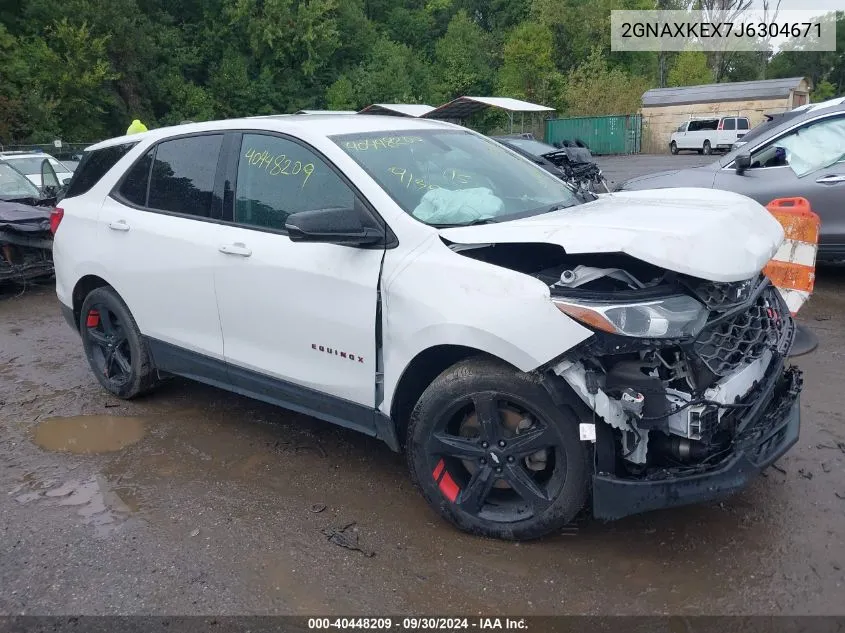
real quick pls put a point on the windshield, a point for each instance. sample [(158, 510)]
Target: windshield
[(13, 184), (535, 148), (32, 166), (455, 177)]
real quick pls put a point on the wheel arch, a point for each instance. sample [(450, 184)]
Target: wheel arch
[(81, 290), (419, 374)]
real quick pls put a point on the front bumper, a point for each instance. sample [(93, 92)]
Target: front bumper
[(768, 429)]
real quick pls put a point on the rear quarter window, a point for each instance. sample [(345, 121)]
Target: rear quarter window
[(93, 166)]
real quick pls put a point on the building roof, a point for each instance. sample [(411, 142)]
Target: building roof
[(398, 109), (715, 93), (462, 107)]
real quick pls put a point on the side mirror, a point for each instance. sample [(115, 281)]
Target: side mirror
[(741, 163), (333, 226)]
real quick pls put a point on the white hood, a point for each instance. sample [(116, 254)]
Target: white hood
[(706, 233)]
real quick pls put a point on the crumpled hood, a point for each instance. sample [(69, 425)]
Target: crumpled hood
[(710, 234)]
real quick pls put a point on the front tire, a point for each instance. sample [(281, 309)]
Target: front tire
[(673, 147), (113, 344), (494, 455)]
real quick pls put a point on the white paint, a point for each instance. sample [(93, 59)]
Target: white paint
[(267, 311), (795, 299), (681, 229), (796, 252)]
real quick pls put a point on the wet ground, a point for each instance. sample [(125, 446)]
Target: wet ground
[(618, 169), (193, 500)]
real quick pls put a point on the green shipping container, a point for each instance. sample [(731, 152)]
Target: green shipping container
[(602, 134)]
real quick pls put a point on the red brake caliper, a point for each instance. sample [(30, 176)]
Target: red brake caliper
[(445, 482), (93, 318)]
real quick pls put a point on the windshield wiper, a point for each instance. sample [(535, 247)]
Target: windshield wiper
[(460, 224), (558, 206)]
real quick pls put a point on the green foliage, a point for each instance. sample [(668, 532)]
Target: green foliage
[(83, 69), (528, 70), (690, 69), (595, 89), (823, 91), (820, 66), (463, 59)]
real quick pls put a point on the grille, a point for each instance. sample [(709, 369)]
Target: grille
[(743, 337), (722, 296)]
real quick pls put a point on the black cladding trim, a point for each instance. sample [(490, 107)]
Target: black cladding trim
[(176, 360)]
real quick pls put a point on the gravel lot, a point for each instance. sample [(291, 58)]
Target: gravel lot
[(204, 502)]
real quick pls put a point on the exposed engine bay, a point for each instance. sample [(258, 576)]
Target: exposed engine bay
[(675, 361)]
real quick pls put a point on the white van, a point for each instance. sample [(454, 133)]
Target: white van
[(706, 134)]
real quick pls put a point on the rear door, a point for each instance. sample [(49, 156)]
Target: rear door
[(727, 133), (158, 240), (742, 127), (298, 319), (809, 162)]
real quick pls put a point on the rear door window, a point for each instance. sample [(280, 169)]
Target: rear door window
[(94, 165), (729, 124), (136, 182), (742, 124), (182, 178)]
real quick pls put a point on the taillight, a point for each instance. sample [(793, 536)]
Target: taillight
[(55, 219), (721, 125)]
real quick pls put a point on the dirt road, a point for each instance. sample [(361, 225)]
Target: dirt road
[(196, 501)]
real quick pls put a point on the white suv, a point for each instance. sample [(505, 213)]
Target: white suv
[(528, 348)]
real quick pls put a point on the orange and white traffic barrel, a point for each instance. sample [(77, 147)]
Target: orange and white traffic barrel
[(793, 268)]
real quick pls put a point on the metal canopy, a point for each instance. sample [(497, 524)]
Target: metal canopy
[(462, 107), (415, 110)]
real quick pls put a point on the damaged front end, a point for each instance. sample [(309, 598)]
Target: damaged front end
[(687, 380), (26, 244)]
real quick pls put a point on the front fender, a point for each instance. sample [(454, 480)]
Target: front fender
[(444, 298)]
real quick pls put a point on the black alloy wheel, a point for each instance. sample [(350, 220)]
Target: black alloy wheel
[(111, 354), (494, 455), (494, 460), (116, 350)]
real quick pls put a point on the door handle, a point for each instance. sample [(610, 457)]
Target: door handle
[(119, 225), (830, 180), (238, 248)]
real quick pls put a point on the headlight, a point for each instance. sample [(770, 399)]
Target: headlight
[(679, 316)]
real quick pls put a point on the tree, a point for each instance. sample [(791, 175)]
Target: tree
[(690, 69), (392, 73), (594, 89), (528, 71), (463, 59)]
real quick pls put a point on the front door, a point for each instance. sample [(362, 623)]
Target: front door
[(297, 318)]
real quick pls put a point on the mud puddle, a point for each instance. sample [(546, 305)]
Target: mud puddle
[(88, 434), (93, 500)]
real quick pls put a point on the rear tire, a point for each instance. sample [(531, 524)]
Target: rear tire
[(493, 454), (116, 351), (673, 147), (707, 149)]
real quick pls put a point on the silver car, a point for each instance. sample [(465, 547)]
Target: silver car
[(797, 153)]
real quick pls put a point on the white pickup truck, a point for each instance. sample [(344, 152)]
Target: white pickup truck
[(705, 135)]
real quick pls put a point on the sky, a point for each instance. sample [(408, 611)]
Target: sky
[(813, 7)]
